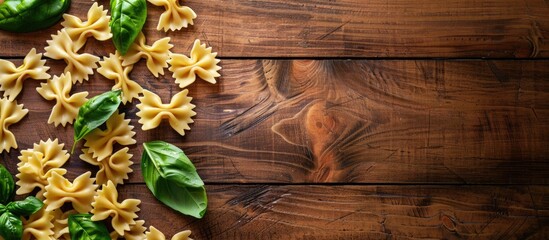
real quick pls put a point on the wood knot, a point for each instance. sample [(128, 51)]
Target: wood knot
[(448, 223)]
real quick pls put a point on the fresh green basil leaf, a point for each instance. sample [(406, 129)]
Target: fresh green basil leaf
[(7, 185), (172, 178), (26, 207), (81, 227), (95, 112), (11, 226), (31, 15), (127, 20), (2, 209)]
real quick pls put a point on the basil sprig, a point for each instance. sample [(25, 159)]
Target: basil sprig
[(95, 112), (31, 15), (81, 227), (11, 226), (172, 178), (127, 20)]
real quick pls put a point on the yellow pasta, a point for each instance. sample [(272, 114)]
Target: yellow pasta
[(11, 78), (202, 63), (156, 55), (179, 111), (112, 69), (115, 168), (80, 192), (136, 232), (38, 164), (10, 113), (155, 234), (39, 226), (66, 106), (61, 223), (106, 205), (96, 26), (79, 65), (175, 16), (100, 142)]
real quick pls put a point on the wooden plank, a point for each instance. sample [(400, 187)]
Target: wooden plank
[(346, 28), (357, 212), (345, 121)]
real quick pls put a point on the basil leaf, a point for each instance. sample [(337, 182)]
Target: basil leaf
[(2, 209), (81, 227), (127, 20), (172, 178), (25, 207), (11, 226), (95, 112), (31, 15), (7, 185)]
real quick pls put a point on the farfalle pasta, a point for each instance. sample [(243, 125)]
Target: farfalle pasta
[(112, 69), (79, 65), (136, 232), (11, 77), (175, 16), (38, 164), (100, 142), (179, 111), (39, 226), (61, 223), (96, 26), (202, 63), (156, 55), (80, 192), (115, 167), (10, 113), (155, 234), (106, 205), (66, 106)]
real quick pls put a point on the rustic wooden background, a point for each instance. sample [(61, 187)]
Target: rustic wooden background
[(405, 119)]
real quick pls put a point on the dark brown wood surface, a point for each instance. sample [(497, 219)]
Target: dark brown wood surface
[(394, 143)]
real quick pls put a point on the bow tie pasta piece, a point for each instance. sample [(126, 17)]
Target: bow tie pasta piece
[(202, 63), (106, 205), (66, 106), (61, 223), (155, 234), (115, 167), (37, 165), (80, 192), (136, 232), (112, 69), (11, 78), (156, 55), (100, 142), (175, 16), (179, 111), (39, 226), (80, 66), (10, 113), (96, 26)]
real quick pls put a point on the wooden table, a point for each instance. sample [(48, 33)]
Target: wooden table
[(347, 119)]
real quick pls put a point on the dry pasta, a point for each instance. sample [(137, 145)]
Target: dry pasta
[(106, 205), (175, 16), (156, 55), (179, 111), (66, 106), (11, 78), (100, 142), (10, 113), (79, 65), (80, 192), (112, 69), (115, 167), (39, 226), (61, 223), (202, 63), (38, 164), (136, 232), (96, 26), (155, 234)]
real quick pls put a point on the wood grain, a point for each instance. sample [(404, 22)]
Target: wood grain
[(357, 212), (345, 28), (302, 121)]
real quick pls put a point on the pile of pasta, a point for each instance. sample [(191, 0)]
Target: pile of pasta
[(41, 169)]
